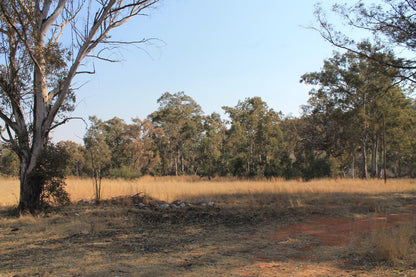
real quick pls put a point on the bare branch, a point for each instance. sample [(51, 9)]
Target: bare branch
[(65, 121), (117, 42), (101, 28), (8, 121), (61, 27), (86, 72), (7, 140), (102, 58)]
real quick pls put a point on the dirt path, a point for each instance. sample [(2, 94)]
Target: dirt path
[(316, 247)]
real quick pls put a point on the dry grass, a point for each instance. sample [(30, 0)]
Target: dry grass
[(172, 188), (236, 237), (372, 195), (9, 191), (396, 245)]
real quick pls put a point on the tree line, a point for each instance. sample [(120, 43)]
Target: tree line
[(358, 122)]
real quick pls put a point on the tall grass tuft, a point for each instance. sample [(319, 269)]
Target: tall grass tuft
[(394, 245)]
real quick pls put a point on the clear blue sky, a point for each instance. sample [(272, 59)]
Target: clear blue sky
[(218, 52)]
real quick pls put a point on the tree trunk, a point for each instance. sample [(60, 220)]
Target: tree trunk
[(30, 192), (364, 141), (176, 165), (31, 183), (384, 150), (374, 158), (182, 165), (97, 183), (353, 166), (364, 153), (31, 186)]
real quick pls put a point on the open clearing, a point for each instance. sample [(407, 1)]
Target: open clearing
[(263, 228)]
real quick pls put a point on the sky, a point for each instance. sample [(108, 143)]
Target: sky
[(218, 52)]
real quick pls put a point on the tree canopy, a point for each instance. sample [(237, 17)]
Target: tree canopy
[(391, 24)]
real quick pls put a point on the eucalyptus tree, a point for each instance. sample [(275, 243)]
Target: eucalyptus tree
[(114, 131), (76, 161), (98, 158), (43, 43), (350, 102), (141, 148), (211, 146), (180, 118), (390, 22), (399, 120), (253, 138)]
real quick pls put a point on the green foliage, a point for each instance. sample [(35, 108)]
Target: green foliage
[(77, 160), (52, 173), (211, 145), (389, 22), (345, 113), (254, 141), (180, 119), (327, 141), (9, 163), (140, 147), (98, 154), (54, 193), (37, 68), (124, 172)]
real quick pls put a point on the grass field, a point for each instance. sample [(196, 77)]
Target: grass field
[(323, 227), (171, 188)]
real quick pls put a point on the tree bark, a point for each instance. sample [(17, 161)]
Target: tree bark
[(374, 158), (353, 166), (364, 153), (384, 150), (364, 140), (30, 192), (31, 186)]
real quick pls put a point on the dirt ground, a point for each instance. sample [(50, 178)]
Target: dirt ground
[(120, 239), (316, 247)]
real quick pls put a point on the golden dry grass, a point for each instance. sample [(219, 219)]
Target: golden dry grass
[(172, 188), (394, 245), (9, 191)]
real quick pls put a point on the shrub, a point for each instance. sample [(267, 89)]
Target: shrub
[(54, 193), (52, 172), (9, 163), (125, 172)]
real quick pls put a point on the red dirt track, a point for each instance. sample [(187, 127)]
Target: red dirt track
[(340, 231), (313, 248)]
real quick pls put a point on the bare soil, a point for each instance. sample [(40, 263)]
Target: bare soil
[(316, 247), (230, 238)]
